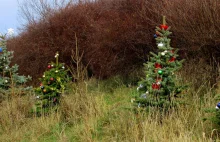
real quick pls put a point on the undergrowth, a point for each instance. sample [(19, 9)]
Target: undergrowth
[(96, 110)]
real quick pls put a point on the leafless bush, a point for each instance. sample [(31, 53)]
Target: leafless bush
[(114, 35)]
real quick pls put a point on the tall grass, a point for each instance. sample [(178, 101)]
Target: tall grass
[(90, 113)]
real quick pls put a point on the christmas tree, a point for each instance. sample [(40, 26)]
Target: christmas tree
[(9, 78), (52, 86), (216, 118), (160, 88), (215, 113)]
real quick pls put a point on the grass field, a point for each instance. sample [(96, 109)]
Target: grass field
[(101, 111)]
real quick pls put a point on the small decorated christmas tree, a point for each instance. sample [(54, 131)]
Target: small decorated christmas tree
[(160, 88), (9, 78), (215, 113), (51, 87), (216, 119)]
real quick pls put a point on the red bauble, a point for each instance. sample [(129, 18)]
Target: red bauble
[(155, 86), (172, 59), (49, 66), (164, 27), (52, 79), (41, 84), (157, 66)]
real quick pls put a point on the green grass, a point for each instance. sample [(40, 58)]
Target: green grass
[(101, 111)]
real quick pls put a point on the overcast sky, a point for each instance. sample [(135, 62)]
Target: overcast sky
[(8, 15)]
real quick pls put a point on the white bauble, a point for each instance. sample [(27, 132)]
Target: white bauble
[(160, 44)]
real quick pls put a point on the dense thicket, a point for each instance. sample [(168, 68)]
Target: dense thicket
[(116, 35)]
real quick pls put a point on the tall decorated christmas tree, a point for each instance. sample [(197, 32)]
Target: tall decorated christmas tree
[(53, 84), (160, 88), (9, 78)]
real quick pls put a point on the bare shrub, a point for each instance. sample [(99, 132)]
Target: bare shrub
[(116, 35)]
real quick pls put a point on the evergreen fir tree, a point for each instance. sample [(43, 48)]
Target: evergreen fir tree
[(215, 113), (52, 86), (9, 78), (216, 118), (160, 86)]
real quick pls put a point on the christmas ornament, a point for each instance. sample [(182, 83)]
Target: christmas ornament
[(58, 79), (218, 106), (178, 90), (157, 66), (155, 35), (160, 44), (56, 71), (51, 79), (49, 66), (42, 87), (63, 67), (139, 87), (158, 83), (6, 81), (1, 50), (41, 84), (172, 59), (139, 105), (132, 100), (165, 27), (56, 55), (163, 53), (160, 72), (155, 86), (37, 97), (6, 67), (44, 90), (43, 75), (144, 96), (52, 65)]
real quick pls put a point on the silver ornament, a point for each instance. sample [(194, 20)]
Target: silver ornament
[(163, 53), (160, 44)]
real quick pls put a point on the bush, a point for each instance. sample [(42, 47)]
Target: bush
[(115, 35)]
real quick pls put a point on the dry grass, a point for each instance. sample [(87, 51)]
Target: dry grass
[(89, 114)]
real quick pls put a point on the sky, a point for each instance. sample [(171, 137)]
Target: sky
[(9, 17)]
